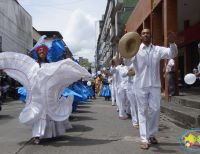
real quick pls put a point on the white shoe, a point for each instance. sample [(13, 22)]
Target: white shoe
[(135, 125)]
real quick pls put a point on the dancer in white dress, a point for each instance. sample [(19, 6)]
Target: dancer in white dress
[(45, 107)]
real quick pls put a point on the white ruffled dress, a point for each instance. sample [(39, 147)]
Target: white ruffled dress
[(46, 109)]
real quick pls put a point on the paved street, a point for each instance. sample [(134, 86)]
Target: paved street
[(96, 130)]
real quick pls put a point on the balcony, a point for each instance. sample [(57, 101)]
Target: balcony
[(118, 4)]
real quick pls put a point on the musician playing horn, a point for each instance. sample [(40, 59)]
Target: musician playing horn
[(148, 87)]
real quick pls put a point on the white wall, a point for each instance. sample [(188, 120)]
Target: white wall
[(15, 27)]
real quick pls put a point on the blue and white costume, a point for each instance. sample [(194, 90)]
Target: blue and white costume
[(45, 107), (105, 91)]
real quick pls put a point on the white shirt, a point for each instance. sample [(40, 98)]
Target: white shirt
[(147, 64), (113, 72), (170, 65), (121, 82), (129, 64), (198, 67)]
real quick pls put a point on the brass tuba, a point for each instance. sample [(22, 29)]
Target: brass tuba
[(129, 44)]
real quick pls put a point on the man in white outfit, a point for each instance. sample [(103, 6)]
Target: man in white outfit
[(113, 84), (121, 87), (148, 87), (170, 70), (130, 92), (197, 72)]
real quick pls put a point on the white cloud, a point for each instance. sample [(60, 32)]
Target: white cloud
[(80, 34), (76, 25)]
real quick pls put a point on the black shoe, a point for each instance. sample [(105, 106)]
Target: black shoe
[(36, 140), (153, 140)]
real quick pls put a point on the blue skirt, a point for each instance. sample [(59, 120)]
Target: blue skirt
[(67, 92), (81, 89), (90, 90), (105, 92)]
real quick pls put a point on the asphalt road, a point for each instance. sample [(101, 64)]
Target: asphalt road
[(96, 130)]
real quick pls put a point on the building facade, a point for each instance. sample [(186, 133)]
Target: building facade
[(15, 27), (111, 28), (36, 36), (163, 16)]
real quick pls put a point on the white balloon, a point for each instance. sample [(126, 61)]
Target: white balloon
[(190, 78), (99, 72), (89, 83)]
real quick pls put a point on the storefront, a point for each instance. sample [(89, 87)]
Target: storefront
[(163, 16)]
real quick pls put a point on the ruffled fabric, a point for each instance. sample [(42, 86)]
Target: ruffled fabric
[(90, 90), (77, 97), (56, 51), (22, 93), (67, 92), (81, 89), (44, 84), (105, 91)]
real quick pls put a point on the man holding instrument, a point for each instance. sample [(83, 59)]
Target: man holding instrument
[(147, 83)]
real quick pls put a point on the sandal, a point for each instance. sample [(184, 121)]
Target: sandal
[(123, 118), (144, 146), (136, 126)]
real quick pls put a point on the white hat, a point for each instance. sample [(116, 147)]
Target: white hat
[(89, 83), (129, 44)]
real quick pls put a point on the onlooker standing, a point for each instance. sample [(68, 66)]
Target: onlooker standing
[(197, 71), (4, 86), (170, 70), (113, 83)]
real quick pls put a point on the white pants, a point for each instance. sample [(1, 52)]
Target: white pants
[(113, 94), (133, 106), (45, 127), (128, 106), (148, 102), (121, 100)]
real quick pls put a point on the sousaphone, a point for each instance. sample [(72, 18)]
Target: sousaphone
[(129, 44)]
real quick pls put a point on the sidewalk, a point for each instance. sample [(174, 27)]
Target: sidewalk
[(184, 109)]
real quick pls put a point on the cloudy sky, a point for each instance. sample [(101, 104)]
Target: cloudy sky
[(74, 19)]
